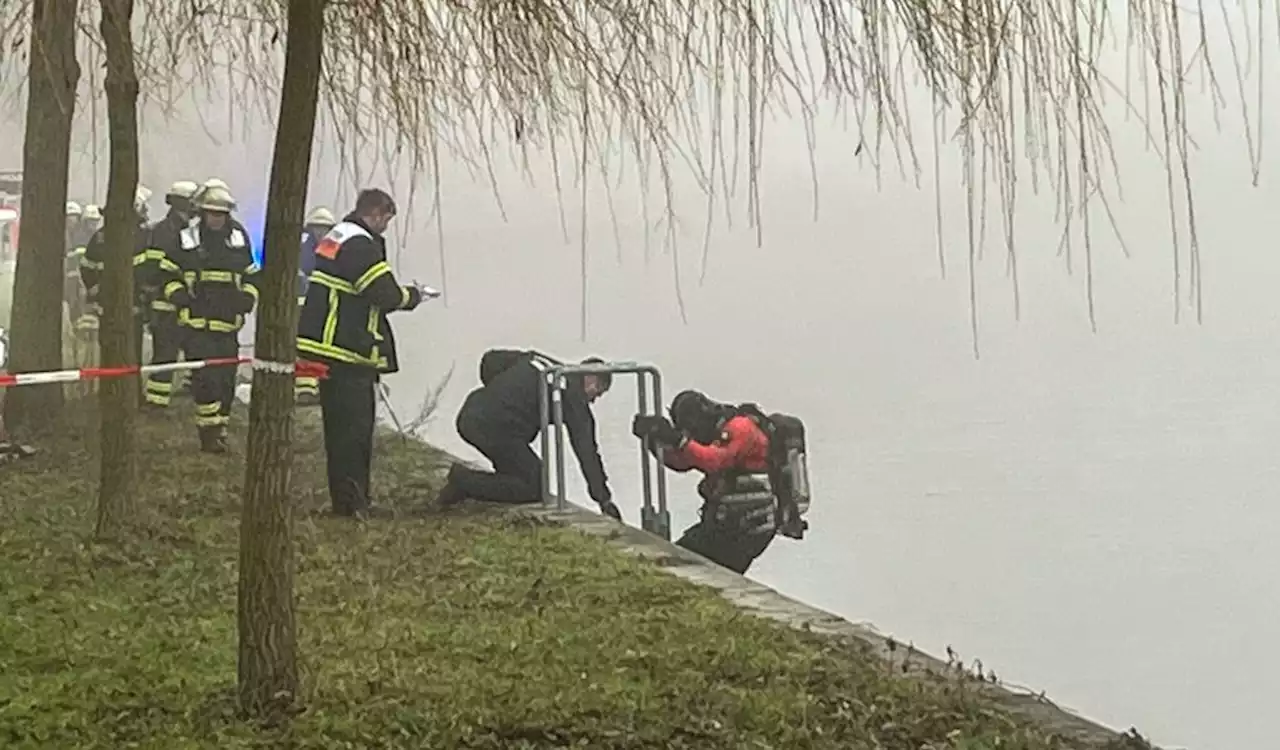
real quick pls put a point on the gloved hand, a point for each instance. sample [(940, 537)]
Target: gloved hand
[(644, 425), (667, 434), (609, 509)]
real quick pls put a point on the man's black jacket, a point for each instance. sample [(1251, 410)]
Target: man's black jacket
[(506, 408)]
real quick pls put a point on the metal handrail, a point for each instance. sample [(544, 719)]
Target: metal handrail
[(656, 520)]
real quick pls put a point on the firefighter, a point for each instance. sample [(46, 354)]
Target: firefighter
[(92, 219), (316, 226), (343, 324), (158, 262), (755, 483), (502, 417), (73, 292), (215, 286), (92, 263)]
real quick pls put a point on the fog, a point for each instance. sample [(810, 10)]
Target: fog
[(1089, 513)]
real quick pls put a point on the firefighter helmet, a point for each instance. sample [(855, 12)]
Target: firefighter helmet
[(92, 212), (181, 190), (216, 200), (212, 182), (320, 216), (73, 209)]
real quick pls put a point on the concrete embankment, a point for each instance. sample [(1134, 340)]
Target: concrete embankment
[(765, 602)]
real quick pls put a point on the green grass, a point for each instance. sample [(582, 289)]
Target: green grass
[(465, 630)]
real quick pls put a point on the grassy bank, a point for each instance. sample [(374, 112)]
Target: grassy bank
[(466, 630)]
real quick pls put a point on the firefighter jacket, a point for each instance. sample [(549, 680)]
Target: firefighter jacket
[(311, 237), (157, 262), (343, 321), (216, 284), (93, 261)]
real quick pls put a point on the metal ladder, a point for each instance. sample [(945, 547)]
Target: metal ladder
[(653, 519)]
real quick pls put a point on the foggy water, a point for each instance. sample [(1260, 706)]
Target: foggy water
[(1088, 514)]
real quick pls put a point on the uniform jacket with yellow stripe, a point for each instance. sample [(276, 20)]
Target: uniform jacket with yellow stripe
[(156, 264), (343, 321), (213, 280), (93, 258)]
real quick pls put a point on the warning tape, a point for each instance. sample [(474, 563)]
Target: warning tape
[(303, 369)]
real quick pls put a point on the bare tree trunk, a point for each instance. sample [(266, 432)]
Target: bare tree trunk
[(268, 670), (36, 323), (118, 397)]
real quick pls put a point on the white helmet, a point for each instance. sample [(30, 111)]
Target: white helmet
[(217, 200), (92, 212), (182, 189), (320, 216), (73, 209), (140, 197), (212, 182)]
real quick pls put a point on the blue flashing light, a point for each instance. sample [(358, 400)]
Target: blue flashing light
[(254, 220)]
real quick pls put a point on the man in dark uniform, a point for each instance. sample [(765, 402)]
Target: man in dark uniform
[(747, 486), (343, 325), (93, 263), (154, 266), (502, 417), (213, 290)]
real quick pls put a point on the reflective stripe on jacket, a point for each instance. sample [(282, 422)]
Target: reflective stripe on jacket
[(343, 320), (217, 280)]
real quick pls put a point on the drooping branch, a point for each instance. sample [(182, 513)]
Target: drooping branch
[(661, 78)]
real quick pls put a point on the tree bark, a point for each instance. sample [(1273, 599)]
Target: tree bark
[(35, 334), (268, 671), (118, 397)]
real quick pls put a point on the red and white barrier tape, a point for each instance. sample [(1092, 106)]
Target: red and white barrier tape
[(302, 369)]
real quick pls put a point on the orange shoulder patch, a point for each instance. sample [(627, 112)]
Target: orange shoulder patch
[(328, 248)]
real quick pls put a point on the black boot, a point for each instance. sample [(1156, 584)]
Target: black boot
[(213, 440), (451, 495)]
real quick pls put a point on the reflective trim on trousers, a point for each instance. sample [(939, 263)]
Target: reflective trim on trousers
[(210, 415)]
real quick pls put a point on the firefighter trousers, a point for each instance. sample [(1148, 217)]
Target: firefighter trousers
[(348, 410), (166, 347), (306, 390), (212, 388)]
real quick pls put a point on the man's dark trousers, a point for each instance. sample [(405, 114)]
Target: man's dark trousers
[(348, 409), (517, 471)]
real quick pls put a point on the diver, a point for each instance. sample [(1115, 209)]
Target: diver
[(755, 484), (503, 416)]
